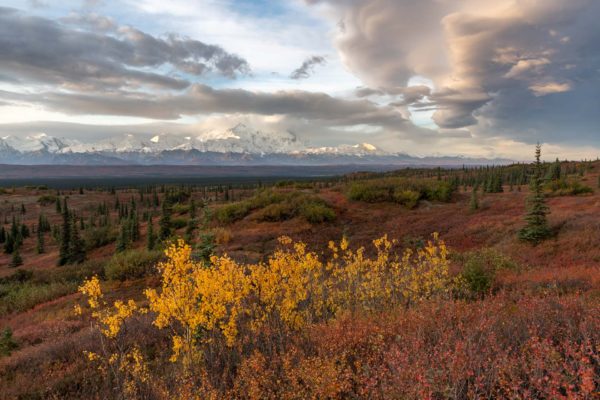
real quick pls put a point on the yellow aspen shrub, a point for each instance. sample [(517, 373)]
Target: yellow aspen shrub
[(109, 319), (194, 297), (289, 286)]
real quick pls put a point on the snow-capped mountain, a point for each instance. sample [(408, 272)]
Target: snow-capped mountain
[(240, 145), (33, 143)]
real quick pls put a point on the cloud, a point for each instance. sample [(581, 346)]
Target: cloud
[(525, 69), (307, 67), (204, 100), (99, 55)]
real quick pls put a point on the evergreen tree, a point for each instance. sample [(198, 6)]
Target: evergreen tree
[(474, 204), (151, 237), (537, 228), (40, 248), (16, 259), (76, 245), (9, 244), (122, 239), (555, 171), (65, 236), (165, 221)]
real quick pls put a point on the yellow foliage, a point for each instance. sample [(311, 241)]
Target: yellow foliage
[(295, 287)]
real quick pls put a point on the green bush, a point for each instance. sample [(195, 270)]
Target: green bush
[(178, 223), (99, 237), (275, 206), (408, 198), (480, 268), (75, 273), (316, 213), (7, 343), (276, 212), (131, 264), (567, 187), (46, 199), (407, 192), (19, 297), (180, 208), (233, 212)]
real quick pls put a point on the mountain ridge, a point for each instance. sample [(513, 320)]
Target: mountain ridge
[(239, 145)]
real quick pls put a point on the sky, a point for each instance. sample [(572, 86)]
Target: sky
[(485, 78)]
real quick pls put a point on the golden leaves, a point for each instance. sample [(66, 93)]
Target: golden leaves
[(295, 287)]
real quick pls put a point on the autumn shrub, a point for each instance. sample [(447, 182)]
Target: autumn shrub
[(407, 192), (131, 264), (216, 311), (499, 348), (222, 235)]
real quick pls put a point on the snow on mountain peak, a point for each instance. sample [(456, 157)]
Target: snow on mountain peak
[(238, 139)]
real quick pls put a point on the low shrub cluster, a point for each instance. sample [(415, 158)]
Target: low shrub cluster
[(404, 191), (567, 187), (21, 296), (278, 206), (46, 199), (131, 264), (96, 237), (480, 268), (221, 313)]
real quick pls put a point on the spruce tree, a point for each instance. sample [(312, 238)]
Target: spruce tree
[(76, 245), (16, 258), (123, 239), (537, 228), (555, 171), (474, 204), (65, 236), (165, 221), (150, 238), (40, 248)]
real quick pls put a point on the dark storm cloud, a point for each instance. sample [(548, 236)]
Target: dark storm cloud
[(307, 67), (526, 70), (101, 56)]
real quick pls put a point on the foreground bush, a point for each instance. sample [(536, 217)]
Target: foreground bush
[(218, 314), (407, 192), (498, 349)]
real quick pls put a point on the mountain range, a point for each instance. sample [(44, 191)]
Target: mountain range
[(240, 145)]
